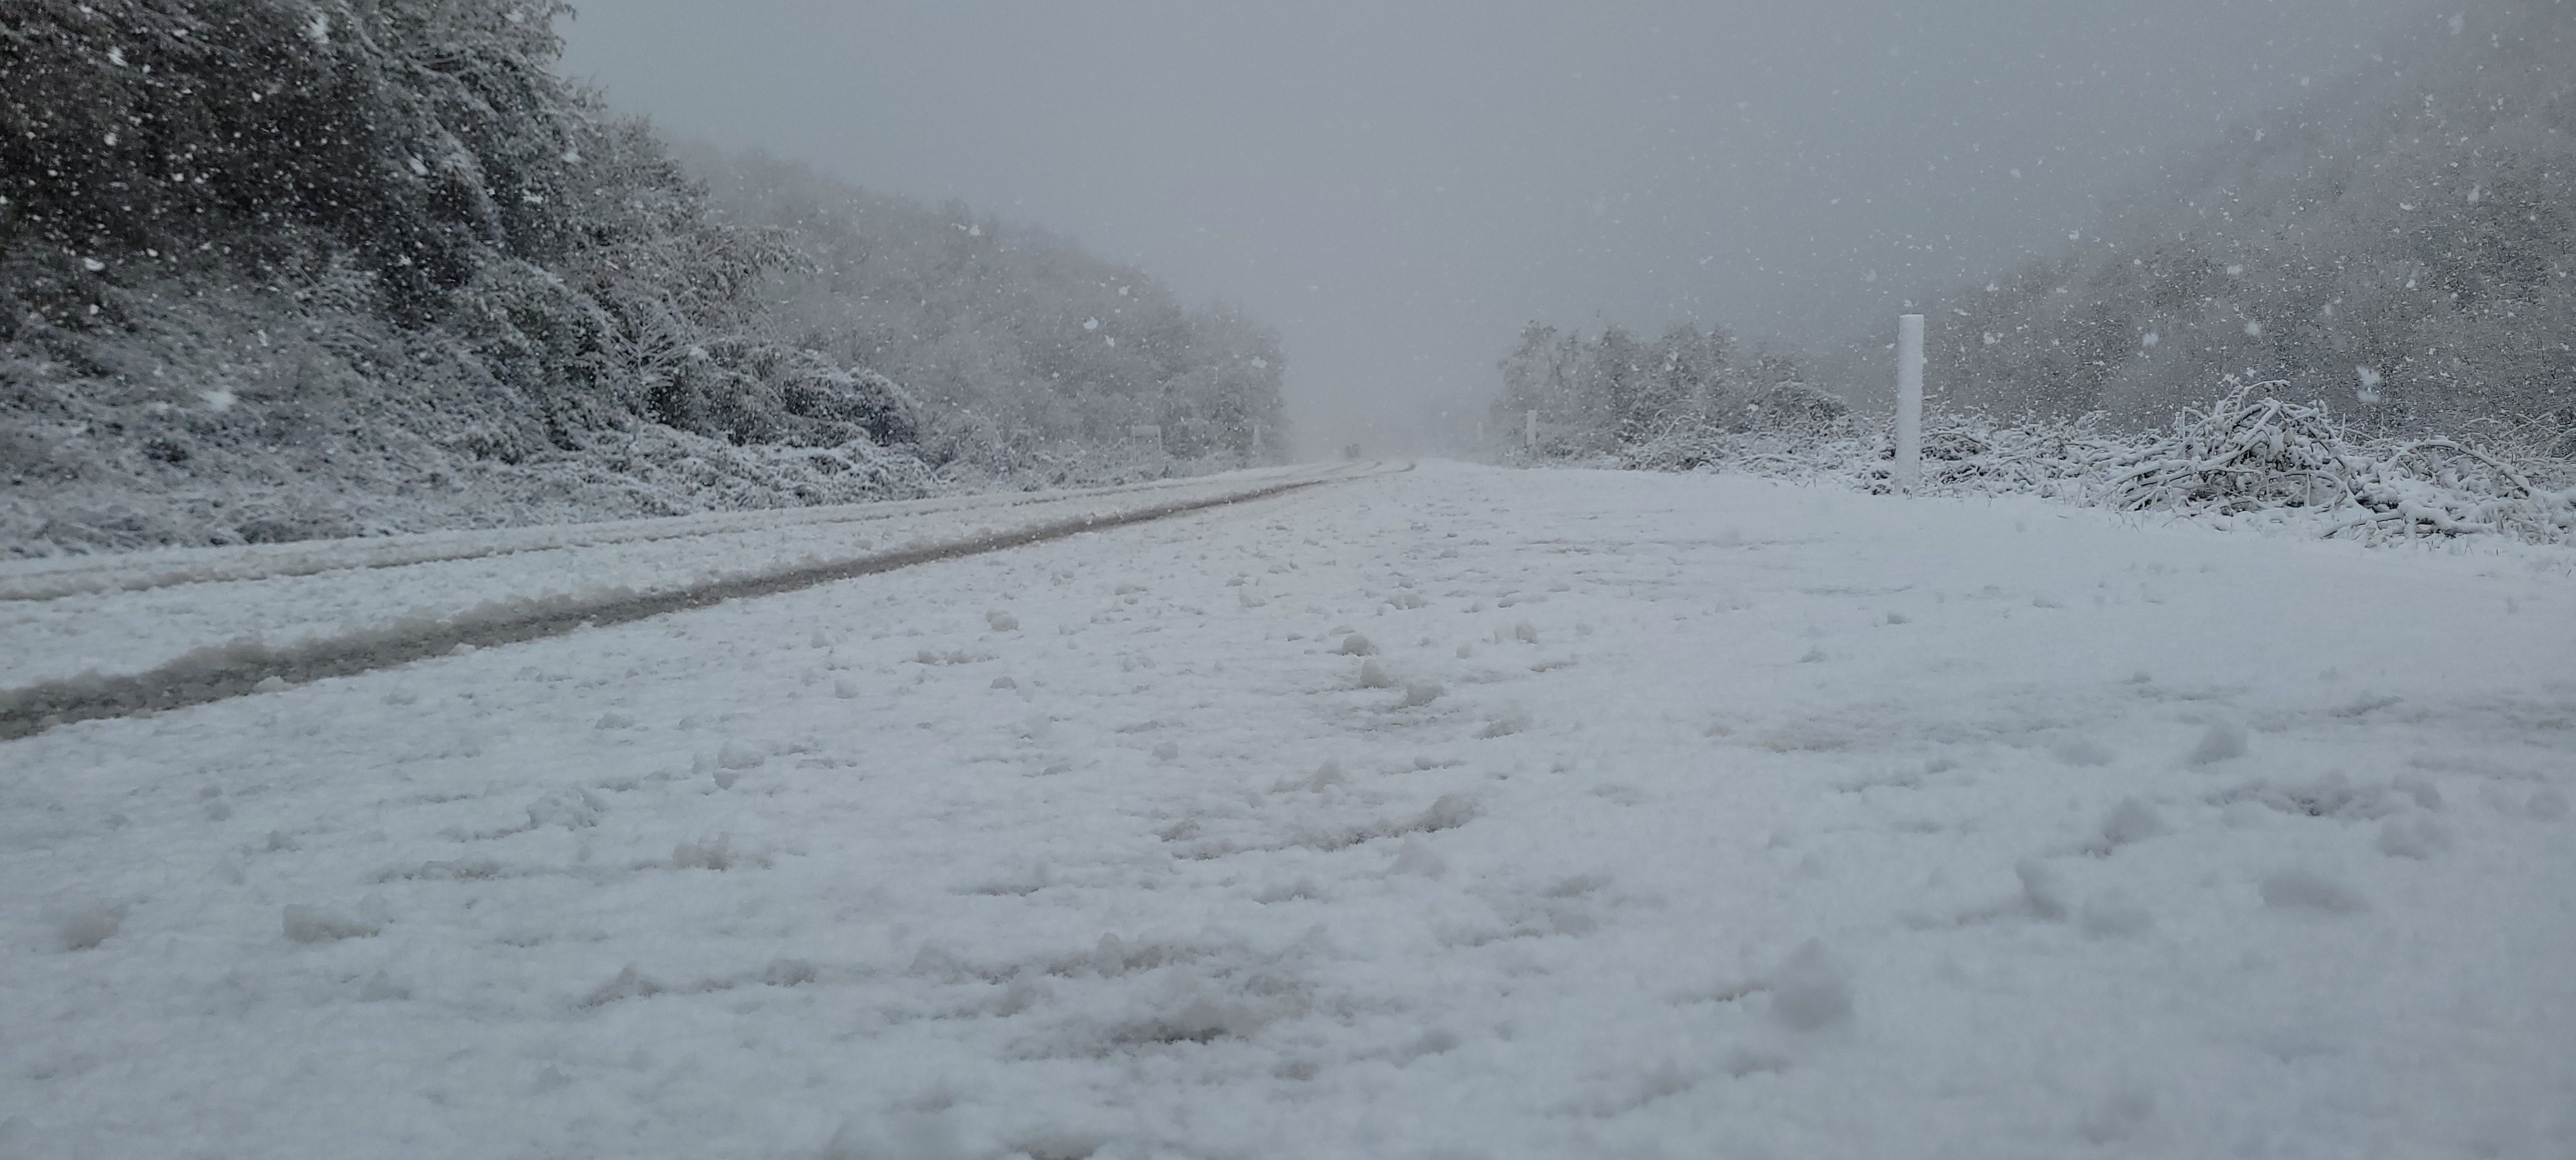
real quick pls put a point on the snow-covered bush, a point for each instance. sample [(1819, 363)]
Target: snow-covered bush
[(1680, 395), (2248, 454)]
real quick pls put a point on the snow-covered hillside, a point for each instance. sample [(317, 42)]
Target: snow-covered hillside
[(1458, 812), (270, 273)]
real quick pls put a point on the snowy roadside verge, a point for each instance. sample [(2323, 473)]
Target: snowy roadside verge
[(2249, 459), (138, 623), (51, 577), (554, 593)]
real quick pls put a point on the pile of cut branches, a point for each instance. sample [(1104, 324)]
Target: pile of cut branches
[(2253, 452)]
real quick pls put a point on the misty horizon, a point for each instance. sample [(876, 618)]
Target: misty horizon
[(1398, 192)]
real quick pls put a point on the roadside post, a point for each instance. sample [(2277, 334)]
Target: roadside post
[(1909, 402), (1529, 430)]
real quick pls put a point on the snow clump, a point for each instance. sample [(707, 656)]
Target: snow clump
[(82, 926), (1417, 857), (629, 984), (2413, 838), (2223, 742), (1448, 812), (2113, 914), (1810, 991), (314, 924), (715, 855), (2294, 887), (2079, 751), (573, 809), (1356, 645), (2131, 821), (2041, 891)]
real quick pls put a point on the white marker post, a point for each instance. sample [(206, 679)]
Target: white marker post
[(1529, 429), (1909, 402)]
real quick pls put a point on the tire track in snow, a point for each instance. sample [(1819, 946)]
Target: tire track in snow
[(52, 578), (210, 675)]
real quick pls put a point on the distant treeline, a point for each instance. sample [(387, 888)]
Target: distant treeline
[(2401, 246), (1015, 338), (1612, 392), (330, 217)]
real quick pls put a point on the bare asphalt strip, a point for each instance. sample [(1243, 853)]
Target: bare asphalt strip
[(233, 671)]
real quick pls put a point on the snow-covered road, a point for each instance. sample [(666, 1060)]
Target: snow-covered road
[(64, 616), (1461, 812)]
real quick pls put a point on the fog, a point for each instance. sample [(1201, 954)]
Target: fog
[(1399, 188)]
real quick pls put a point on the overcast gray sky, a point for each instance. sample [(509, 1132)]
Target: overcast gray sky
[(1397, 186)]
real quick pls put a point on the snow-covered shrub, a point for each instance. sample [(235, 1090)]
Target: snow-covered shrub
[(2247, 454), (236, 416)]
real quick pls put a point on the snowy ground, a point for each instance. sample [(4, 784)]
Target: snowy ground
[(1454, 813)]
